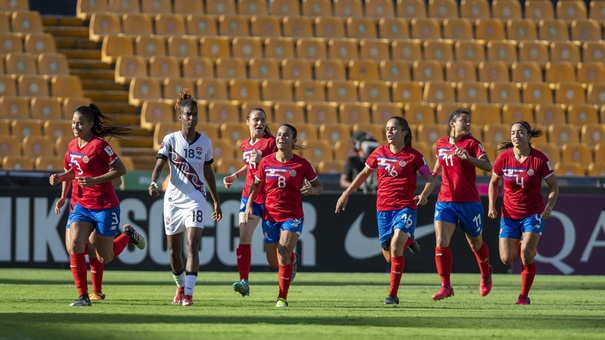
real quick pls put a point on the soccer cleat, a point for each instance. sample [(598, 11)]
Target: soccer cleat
[(135, 238), (295, 266), (391, 300), (523, 300), (414, 247), (178, 297), (281, 303), (486, 283), (96, 296), (242, 287), (82, 301), (187, 300), (444, 292)]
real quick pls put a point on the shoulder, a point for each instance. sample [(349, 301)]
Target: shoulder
[(538, 154)]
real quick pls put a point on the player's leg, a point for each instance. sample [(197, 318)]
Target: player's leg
[(194, 238), (532, 229), (97, 268), (175, 251), (80, 229), (444, 229), (243, 251), (289, 235), (471, 217)]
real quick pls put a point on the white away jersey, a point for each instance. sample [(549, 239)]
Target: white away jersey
[(186, 167)]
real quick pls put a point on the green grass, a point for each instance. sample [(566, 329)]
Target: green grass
[(34, 304)]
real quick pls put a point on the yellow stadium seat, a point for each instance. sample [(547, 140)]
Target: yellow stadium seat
[(316, 8), (567, 93), (296, 69), (374, 49), (199, 26), (46, 108), (382, 112), (457, 29), (215, 47), (538, 10), (297, 27), (506, 9), (136, 24), (553, 30), (306, 91), (596, 169), (334, 132), (23, 163), (523, 71), (321, 113), (142, 89), (103, 24), (374, 91), (514, 112), (306, 133), (469, 50), (38, 43), (501, 50), (410, 9), (233, 25), (211, 89), (154, 112), (430, 133), (220, 7), (330, 69), (597, 11), (348, 8), (547, 114), (22, 128), (55, 129), (393, 28), (438, 50), (252, 7), (20, 63), (123, 6), (169, 25), (263, 68), (23, 22), (10, 43), (494, 134), (563, 133), (277, 90), (485, 113), (489, 29), (86, 8), (261, 26), (592, 134), (570, 169), (580, 114), (551, 150), (363, 69), (284, 7), (521, 29), (46, 163), (70, 104), (341, 91), (586, 30), (244, 90), (560, 71), (594, 94), (233, 133), (536, 93), (66, 86), (590, 72), (330, 167), (227, 166), (471, 92), (564, 51), (442, 9), (10, 145), (14, 108), (317, 151), (425, 29), (150, 46), (379, 9), (32, 86), (198, 68), (599, 154), (52, 64), (311, 49), (156, 6), (443, 111), (406, 92), (419, 113), (344, 49), (210, 130), (491, 71), (352, 113), (115, 46), (438, 92), (182, 47), (395, 70), (504, 93), (36, 146), (288, 112), (361, 28), (223, 112), (571, 10), (406, 50), (128, 67), (427, 70), (231, 68)]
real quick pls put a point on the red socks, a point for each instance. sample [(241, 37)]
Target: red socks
[(96, 274), (77, 263), (443, 261), (284, 276), (482, 256), (397, 264), (528, 273), (120, 243), (244, 257)]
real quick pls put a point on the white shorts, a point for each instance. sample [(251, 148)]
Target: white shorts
[(177, 218)]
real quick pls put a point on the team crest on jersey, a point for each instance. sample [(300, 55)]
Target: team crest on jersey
[(85, 159), (402, 163), (198, 150), (109, 150), (292, 173), (530, 172)]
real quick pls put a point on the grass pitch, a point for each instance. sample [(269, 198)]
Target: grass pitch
[(34, 304)]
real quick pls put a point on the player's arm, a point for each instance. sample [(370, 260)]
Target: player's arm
[(424, 171), (251, 196), (436, 169), (492, 194), (230, 179), (155, 176), (553, 194), (211, 182), (313, 187), (357, 182)]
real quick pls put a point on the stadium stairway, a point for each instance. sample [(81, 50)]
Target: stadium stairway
[(84, 57)]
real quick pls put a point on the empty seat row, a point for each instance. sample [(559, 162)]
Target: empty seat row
[(504, 9), (36, 107), (47, 64), (20, 21), (41, 86), (34, 43)]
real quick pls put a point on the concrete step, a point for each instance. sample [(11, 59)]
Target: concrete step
[(82, 54), (89, 64), (76, 43), (137, 142), (67, 31), (120, 107), (61, 20), (98, 74), (99, 84), (142, 162), (105, 96)]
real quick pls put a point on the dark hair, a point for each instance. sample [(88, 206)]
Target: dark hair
[(101, 125), (404, 123), (183, 100), (294, 135), (258, 109), (359, 137), (531, 132), (454, 115)]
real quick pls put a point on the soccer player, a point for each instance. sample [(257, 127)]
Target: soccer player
[(91, 161), (458, 202), (285, 176), (397, 165), (260, 143), (522, 169), (190, 157)]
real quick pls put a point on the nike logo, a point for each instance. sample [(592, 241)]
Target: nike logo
[(360, 246)]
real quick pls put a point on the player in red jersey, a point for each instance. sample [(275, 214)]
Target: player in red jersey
[(91, 161), (260, 143), (522, 169), (397, 165), (458, 202), (189, 155), (286, 177)]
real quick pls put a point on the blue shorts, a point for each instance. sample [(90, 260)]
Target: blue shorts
[(105, 221), (469, 214), (388, 221), (271, 230), (511, 228), (257, 209)]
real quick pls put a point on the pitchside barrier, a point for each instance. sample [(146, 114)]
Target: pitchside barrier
[(32, 236)]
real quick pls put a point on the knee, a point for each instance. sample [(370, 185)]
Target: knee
[(507, 260), (105, 259)]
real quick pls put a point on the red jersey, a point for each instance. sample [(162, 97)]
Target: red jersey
[(282, 182), (266, 146), (92, 160), (522, 183), (396, 175), (458, 176)]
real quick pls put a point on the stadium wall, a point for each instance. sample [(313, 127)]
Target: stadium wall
[(33, 236)]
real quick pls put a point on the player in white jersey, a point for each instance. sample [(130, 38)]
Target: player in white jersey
[(190, 157)]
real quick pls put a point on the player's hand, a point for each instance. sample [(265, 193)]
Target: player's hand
[(228, 180), (460, 153), (247, 213), (492, 212), (307, 189), (421, 200), (59, 205), (54, 179), (546, 213), (153, 190), (256, 156), (86, 182), (217, 214), (341, 204)]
